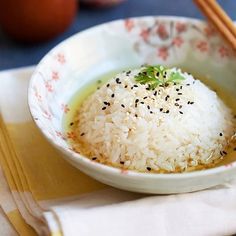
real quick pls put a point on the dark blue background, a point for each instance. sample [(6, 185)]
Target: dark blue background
[(15, 55)]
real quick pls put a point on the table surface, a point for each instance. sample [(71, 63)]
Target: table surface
[(14, 55)]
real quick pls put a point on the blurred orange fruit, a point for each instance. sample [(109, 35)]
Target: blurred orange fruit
[(36, 20)]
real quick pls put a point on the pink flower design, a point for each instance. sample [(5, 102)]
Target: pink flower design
[(47, 115), (65, 108), (162, 32), (60, 58), (71, 135), (55, 76), (48, 86), (180, 27), (144, 34), (38, 96), (223, 51), (177, 41), (129, 24), (58, 134), (209, 31), (202, 46), (163, 53)]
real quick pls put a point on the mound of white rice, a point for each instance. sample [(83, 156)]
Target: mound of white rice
[(169, 129)]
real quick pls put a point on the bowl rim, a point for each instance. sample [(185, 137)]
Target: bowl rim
[(76, 157)]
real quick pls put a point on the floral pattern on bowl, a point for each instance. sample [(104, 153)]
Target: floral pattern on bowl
[(119, 44)]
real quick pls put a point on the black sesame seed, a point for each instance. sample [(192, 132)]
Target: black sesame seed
[(108, 85), (155, 93), (181, 112), (151, 112), (105, 103), (136, 115), (113, 95), (161, 109), (221, 153), (180, 106), (71, 123), (181, 87), (122, 162), (177, 89), (188, 102), (137, 100), (166, 98), (145, 98), (117, 80), (175, 83), (157, 74), (164, 76), (128, 72), (177, 99), (123, 105), (148, 107), (177, 104), (179, 93), (94, 158), (82, 134), (104, 108), (136, 86), (135, 104), (167, 111), (142, 102), (187, 84), (224, 152), (221, 134), (131, 88), (149, 168), (126, 86), (191, 103)]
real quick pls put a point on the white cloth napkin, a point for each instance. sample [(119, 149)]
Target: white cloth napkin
[(113, 212)]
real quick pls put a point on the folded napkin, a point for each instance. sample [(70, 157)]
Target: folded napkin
[(40, 193)]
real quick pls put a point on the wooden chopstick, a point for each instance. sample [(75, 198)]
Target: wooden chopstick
[(224, 17), (217, 16)]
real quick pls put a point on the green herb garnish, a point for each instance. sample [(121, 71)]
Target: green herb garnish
[(158, 75)]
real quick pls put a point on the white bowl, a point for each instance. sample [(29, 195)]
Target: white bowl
[(183, 42)]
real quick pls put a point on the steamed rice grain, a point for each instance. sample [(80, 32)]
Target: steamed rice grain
[(168, 129)]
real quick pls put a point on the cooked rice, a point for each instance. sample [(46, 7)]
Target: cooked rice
[(169, 129)]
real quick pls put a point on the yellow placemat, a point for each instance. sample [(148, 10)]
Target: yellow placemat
[(36, 174)]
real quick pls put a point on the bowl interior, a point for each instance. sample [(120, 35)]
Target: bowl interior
[(186, 43)]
